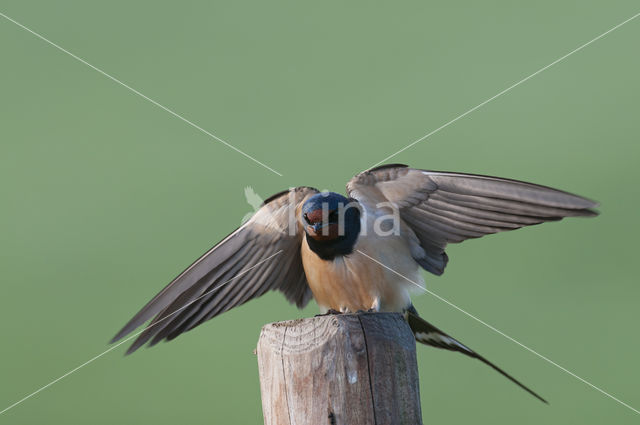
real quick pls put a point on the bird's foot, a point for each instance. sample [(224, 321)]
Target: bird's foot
[(371, 310), (329, 312)]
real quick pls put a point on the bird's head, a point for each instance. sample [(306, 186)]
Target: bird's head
[(329, 216)]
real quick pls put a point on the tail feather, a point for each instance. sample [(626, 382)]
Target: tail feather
[(428, 334)]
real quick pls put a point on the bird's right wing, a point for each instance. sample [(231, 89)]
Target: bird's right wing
[(261, 255)]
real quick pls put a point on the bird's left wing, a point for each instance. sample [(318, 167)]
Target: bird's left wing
[(442, 207), (261, 255)]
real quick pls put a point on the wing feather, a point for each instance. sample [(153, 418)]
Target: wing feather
[(442, 208), (195, 300), (261, 255)]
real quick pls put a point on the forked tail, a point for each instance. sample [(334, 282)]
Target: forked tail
[(428, 334)]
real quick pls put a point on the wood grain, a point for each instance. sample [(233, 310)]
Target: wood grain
[(342, 369)]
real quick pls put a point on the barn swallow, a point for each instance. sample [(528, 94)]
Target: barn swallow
[(310, 244)]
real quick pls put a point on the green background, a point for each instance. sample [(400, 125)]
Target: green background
[(106, 197)]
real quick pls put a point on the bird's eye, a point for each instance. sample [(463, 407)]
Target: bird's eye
[(306, 218)]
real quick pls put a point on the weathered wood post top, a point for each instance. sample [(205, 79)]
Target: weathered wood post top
[(344, 369)]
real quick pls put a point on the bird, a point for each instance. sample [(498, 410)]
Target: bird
[(353, 253)]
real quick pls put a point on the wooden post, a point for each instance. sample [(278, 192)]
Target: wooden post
[(344, 369)]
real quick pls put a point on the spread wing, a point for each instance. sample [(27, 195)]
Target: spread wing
[(442, 207), (261, 255)]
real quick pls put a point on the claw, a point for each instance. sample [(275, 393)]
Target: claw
[(330, 311)]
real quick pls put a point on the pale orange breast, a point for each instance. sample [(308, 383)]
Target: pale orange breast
[(354, 282)]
